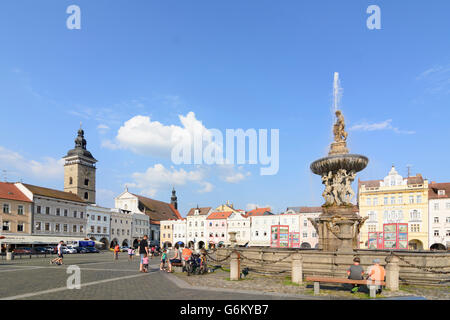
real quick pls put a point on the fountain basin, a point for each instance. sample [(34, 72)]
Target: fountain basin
[(333, 163)]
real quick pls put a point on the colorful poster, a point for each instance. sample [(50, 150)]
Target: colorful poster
[(402, 228), (390, 244), (390, 228)]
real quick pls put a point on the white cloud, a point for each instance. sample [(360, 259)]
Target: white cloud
[(21, 167), (384, 125), (141, 135), (437, 79), (158, 176)]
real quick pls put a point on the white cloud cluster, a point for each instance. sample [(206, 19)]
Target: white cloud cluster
[(141, 135), (158, 176), (23, 168)]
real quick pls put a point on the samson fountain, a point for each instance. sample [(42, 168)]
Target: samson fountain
[(339, 224)]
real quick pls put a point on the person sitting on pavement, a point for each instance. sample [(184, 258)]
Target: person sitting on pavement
[(175, 259), (355, 272), (377, 274)]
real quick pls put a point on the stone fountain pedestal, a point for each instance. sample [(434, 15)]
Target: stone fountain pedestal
[(338, 228)]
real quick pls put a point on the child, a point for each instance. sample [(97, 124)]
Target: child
[(130, 254), (163, 260), (145, 263)]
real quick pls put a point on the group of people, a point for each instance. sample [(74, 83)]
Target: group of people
[(180, 256), (375, 273)]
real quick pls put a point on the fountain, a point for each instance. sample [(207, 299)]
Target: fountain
[(339, 224)]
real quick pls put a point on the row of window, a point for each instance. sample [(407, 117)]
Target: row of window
[(6, 226), (414, 227), (395, 216), (99, 229), (118, 232), (436, 233), (394, 200), (7, 209), (57, 227), (436, 220), (99, 218), (58, 212), (436, 206)]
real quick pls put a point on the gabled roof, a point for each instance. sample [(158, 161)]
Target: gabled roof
[(369, 183), (258, 212), (11, 192), (219, 215), (202, 211), (51, 193), (418, 179), (305, 209), (433, 190), (157, 210)]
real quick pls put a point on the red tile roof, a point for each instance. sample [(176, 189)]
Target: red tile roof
[(219, 215), (310, 209), (369, 183), (433, 190), (202, 211), (11, 192), (157, 210), (52, 193), (258, 212)]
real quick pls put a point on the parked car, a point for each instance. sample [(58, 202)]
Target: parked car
[(69, 249), (80, 249), (92, 250), (51, 249), (23, 250), (40, 250)]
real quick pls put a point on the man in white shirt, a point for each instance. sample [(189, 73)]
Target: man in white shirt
[(59, 259)]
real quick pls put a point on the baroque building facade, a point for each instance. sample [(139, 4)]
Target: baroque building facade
[(395, 200)]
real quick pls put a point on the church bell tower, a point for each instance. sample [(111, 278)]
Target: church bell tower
[(79, 170)]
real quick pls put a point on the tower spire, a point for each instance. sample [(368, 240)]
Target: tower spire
[(174, 199)]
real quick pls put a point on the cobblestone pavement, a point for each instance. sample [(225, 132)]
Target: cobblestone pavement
[(282, 284), (102, 278)]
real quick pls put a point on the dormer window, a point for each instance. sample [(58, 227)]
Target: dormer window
[(441, 192), (196, 212)]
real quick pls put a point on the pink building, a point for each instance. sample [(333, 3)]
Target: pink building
[(216, 228), (308, 234)]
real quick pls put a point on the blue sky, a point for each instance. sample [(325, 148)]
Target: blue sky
[(260, 64)]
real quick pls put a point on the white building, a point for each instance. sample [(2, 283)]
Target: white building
[(179, 232), (239, 223), (439, 215), (56, 213), (140, 227), (121, 223), (196, 227), (156, 211), (98, 224), (261, 228)]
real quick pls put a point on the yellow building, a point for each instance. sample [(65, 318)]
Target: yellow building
[(395, 200), (166, 234)]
